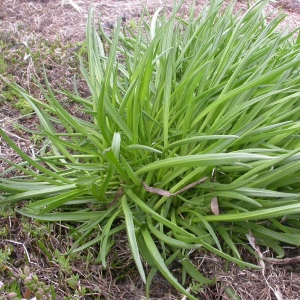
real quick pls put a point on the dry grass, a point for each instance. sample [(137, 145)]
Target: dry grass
[(121, 280)]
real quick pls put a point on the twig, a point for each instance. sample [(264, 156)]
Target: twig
[(282, 261), (18, 243)]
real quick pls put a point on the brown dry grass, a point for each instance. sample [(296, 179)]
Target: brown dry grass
[(48, 32)]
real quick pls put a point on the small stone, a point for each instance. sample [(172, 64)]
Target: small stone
[(12, 295), (26, 270)]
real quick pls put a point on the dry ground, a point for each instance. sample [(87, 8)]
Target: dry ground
[(49, 32)]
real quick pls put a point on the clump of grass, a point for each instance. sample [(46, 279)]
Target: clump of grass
[(192, 144)]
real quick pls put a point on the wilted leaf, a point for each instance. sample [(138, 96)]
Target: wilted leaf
[(167, 193), (156, 190), (214, 205)]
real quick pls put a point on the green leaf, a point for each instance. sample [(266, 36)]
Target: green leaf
[(193, 272), (160, 264), (131, 237), (215, 159)]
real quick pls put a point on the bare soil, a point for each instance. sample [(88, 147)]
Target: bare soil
[(33, 27)]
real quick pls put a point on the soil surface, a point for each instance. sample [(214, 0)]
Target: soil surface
[(62, 23), (66, 19)]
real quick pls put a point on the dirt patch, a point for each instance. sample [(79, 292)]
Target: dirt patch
[(23, 20), (64, 19)]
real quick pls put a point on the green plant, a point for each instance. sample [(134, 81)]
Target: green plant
[(9, 95), (3, 65), (4, 257), (63, 262), (73, 281), (193, 142), (133, 24), (23, 106), (36, 287), (33, 286)]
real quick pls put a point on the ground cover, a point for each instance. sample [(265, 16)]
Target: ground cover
[(79, 280)]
